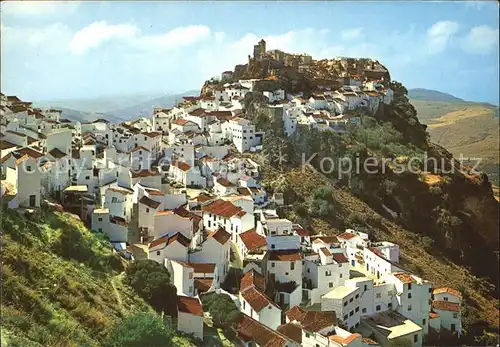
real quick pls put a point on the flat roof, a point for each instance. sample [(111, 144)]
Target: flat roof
[(340, 292), (79, 189), (101, 210), (392, 324)]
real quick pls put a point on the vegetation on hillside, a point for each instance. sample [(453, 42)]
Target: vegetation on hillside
[(61, 283), (223, 311)]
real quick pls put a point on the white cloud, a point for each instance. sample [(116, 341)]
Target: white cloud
[(38, 8), (97, 33), (439, 36), (351, 34), (48, 39), (481, 40), (177, 37), (475, 4)]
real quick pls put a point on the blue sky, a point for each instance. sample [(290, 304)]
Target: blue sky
[(84, 50)]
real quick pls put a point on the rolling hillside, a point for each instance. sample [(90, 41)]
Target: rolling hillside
[(466, 128)]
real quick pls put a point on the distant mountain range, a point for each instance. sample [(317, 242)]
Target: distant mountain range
[(115, 109), (462, 127)]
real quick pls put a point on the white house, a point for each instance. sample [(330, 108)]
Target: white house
[(190, 316), (25, 176)]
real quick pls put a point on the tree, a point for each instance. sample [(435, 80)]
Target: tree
[(222, 309), (141, 329), (151, 281)]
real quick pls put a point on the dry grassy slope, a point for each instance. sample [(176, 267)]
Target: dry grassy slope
[(463, 128), (433, 267)]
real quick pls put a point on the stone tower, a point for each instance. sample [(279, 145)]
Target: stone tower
[(259, 50)]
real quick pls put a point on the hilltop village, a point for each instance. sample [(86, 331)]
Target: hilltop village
[(179, 188)]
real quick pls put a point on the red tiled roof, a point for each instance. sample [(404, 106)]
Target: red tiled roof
[(189, 305), (369, 341), (344, 340), (145, 173), (182, 212), (325, 251), (312, 320), (252, 240), (222, 208), (224, 182), (433, 315), (446, 306), (256, 299), (179, 237), (205, 268), (340, 258), (181, 121), (191, 98), (326, 239), (300, 231), (6, 144), (448, 290), (244, 191), (203, 284), (404, 277), (251, 330), (198, 112), (221, 235), (152, 134), (292, 331), (149, 202), (120, 190), (154, 192), (18, 153), (252, 277), (181, 165), (221, 115), (135, 149), (203, 198), (346, 236), (285, 255)]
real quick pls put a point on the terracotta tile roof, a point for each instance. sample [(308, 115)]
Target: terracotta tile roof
[(433, 315), (252, 277), (344, 340), (326, 239), (205, 268), (252, 240), (197, 113), (369, 341), (312, 320), (152, 134), (221, 235), (22, 159), (166, 240), (181, 122), (189, 305), (182, 212), (181, 165), (118, 220), (191, 98), (154, 192), (346, 236), (203, 284), (340, 258), (16, 133), (404, 277), (149, 202), (292, 331), (448, 290), (222, 208), (145, 173), (446, 306), (221, 115), (18, 153), (244, 191), (6, 144), (224, 182), (203, 198), (251, 330), (300, 231), (256, 299), (285, 255), (135, 149), (325, 251)]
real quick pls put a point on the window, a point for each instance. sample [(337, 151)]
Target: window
[(28, 168), (378, 295), (273, 264), (389, 293), (409, 286), (273, 247), (100, 230), (389, 305), (330, 284), (307, 335), (423, 321), (455, 315), (157, 252), (409, 295), (430, 290), (340, 275), (328, 273), (363, 310), (357, 296), (351, 313), (147, 209), (357, 309), (377, 308), (190, 275), (445, 298), (366, 287), (190, 289), (345, 303), (415, 338), (87, 177), (244, 304), (345, 317), (114, 199), (99, 219), (292, 265), (409, 307), (351, 299), (308, 270), (453, 327)]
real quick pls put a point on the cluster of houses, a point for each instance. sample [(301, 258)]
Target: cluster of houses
[(175, 188)]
